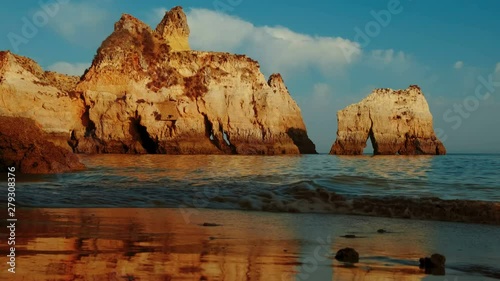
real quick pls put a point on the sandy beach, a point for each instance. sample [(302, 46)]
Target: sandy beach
[(203, 244)]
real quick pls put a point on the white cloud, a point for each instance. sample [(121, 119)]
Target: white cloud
[(389, 56), (79, 21), (458, 65), (69, 68), (389, 59), (220, 32), (277, 48)]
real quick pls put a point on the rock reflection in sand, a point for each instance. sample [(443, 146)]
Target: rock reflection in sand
[(140, 244), (174, 244)]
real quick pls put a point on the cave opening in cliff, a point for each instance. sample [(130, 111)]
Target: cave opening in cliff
[(223, 145), (209, 128), (227, 140), (140, 133), (88, 123), (209, 131)]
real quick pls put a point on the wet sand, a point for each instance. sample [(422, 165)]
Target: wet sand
[(203, 244)]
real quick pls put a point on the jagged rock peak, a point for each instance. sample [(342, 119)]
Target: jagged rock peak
[(130, 23), (396, 121), (275, 79), (7, 58), (13, 63), (277, 83), (174, 29)]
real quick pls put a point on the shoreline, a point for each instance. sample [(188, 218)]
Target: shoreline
[(207, 244)]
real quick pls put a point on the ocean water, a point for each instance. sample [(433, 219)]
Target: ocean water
[(295, 183)]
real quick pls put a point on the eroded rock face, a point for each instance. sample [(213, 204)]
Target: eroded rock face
[(143, 96), (396, 121), (46, 97), (174, 29), (24, 145)]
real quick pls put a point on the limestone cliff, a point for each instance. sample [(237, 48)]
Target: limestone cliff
[(46, 97), (146, 92), (396, 121)]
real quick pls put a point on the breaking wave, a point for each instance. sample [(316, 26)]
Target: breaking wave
[(448, 188)]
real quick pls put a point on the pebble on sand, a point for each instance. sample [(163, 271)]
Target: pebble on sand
[(347, 255)]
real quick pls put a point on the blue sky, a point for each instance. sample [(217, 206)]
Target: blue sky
[(443, 46)]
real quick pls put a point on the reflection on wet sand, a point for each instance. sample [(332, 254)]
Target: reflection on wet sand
[(174, 244), (141, 244)]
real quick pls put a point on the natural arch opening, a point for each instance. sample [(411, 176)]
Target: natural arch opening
[(370, 148)]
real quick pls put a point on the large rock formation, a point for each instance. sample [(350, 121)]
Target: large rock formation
[(396, 121), (147, 92), (144, 95), (46, 97), (24, 145)]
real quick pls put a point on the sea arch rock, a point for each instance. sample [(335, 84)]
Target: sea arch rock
[(396, 121)]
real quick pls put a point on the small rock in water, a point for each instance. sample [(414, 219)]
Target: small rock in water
[(349, 236), (438, 260), (381, 231), (347, 255), (433, 265)]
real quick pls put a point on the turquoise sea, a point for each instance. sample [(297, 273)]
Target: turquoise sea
[(302, 183)]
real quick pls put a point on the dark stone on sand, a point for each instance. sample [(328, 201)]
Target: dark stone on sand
[(381, 231), (433, 265), (25, 146), (349, 236), (347, 255)]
